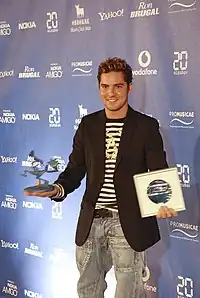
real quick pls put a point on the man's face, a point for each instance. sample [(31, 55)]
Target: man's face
[(114, 90)]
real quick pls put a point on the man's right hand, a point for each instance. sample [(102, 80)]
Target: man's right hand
[(47, 194)]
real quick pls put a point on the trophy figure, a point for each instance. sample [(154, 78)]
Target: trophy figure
[(38, 168)]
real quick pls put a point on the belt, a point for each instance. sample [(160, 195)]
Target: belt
[(102, 213)]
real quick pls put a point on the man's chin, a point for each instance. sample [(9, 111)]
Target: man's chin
[(113, 108)]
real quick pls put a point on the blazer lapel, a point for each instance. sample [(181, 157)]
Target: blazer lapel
[(129, 129), (98, 141)]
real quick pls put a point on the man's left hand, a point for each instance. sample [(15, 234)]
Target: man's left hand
[(165, 212)]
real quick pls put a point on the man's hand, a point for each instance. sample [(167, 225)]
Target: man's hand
[(165, 212), (47, 194)]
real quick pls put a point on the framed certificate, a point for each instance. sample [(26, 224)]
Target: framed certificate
[(159, 188)]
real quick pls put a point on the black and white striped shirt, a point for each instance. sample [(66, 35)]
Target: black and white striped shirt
[(107, 197)]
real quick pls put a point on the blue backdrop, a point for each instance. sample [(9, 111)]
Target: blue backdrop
[(50, 51)]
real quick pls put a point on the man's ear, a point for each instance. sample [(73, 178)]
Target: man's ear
[(130, 87)]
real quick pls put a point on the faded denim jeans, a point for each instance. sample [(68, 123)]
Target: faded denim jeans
[(105, 247)]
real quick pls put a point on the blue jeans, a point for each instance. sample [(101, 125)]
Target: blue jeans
[(105, 247)]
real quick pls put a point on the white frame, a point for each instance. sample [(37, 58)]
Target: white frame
[(142, 181)]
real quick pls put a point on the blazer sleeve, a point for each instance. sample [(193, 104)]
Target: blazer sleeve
[(70, 179), (155, 154)]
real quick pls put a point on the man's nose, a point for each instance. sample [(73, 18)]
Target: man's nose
[(111, 91)]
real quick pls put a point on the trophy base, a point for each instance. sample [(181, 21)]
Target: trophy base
[(39, 188)]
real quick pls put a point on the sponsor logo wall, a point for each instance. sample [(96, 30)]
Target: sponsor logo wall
[(48, 83)]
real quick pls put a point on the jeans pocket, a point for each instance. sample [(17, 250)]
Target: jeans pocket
[(83, 254)]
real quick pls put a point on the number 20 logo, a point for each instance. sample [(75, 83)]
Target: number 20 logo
[(181, 63), (185, 287), (52, 21), (54, 117), (184, 173)]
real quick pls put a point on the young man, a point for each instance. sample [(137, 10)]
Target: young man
[(110, 146)]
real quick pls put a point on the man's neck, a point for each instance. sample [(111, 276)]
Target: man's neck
[(116, 114)]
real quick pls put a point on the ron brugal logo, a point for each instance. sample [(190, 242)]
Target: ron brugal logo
[(7, 117), (6, 73), (29, 73), (31, 294), (184, 175), (81, 68), (27, 25), (145, 10), (144, 60), (184, 231), (10, 288), (54, 117), (55, 71), (52, 22), (5, 29), (81, 24), (9, 202), (181, 5), (146, 277), (12, 245), (30, 117), (33, 250), (185, 287), (82, 112), (181, 119), (111, 14), (180, 63), (8, 159)]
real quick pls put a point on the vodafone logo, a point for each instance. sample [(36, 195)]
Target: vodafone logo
[(146, 275), (144, 59)]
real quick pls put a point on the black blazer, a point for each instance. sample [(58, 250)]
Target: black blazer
[(140, 149)]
